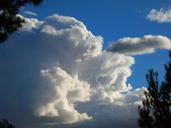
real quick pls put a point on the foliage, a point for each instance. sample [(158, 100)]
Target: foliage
[(155, 111), (5, 124), (9, 21)]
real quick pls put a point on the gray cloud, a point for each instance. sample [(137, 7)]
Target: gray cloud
[(138, 46), (161, 16)]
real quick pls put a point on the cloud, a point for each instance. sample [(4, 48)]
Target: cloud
[(161, 16), (30, 13), (54, 73), (138, 46), (67, 91)]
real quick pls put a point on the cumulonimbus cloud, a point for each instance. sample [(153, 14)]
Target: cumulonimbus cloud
[(160, 16), (138, 46), (54, 72)]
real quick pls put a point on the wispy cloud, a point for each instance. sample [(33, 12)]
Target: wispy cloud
[(138, 46), (30, 13), (160, 16)]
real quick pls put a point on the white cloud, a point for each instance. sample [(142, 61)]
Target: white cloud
[(161, 16), (66, 91), (57, 74), (30, 13), (138, 46), (30, 24)]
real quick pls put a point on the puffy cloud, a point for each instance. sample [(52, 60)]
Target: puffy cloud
[(138, 46), (50, 49), (54, 73), (66, 91), (161, 16), (30, 24)]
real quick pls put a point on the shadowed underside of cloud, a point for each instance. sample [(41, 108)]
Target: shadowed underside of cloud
[(138, 46), (161, 16), (54, 73)]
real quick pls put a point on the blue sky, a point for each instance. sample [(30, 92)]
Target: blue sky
[(58, 75), (115, 19)]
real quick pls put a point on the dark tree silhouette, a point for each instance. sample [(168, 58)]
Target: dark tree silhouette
[(5, 124), (155, 111), (9, 21)]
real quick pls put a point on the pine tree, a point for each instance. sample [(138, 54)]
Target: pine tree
[(155, 111), (5, 124), (9, 21)]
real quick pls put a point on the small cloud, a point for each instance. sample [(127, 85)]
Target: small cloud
[(138, 46), (30, 13), (161, 16)]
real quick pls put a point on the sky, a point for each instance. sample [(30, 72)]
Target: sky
[(114, 19), (82, 64)]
